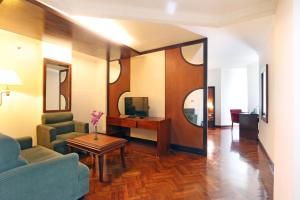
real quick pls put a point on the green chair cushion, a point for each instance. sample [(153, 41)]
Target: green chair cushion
[(38, 154), (63, 127), (53, 118), (69, 135)]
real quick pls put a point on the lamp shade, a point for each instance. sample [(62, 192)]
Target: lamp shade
[(9, 77)]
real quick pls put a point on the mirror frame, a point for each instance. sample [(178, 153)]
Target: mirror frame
[(204, 107), (264, 116), (69, 66)]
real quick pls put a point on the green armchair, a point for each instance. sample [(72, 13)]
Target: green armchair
[(56, 128)]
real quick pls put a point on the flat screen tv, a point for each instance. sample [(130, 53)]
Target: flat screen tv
[(137, 106)]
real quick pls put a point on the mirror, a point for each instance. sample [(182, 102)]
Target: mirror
[(193, 107), (114, 71), (57, 86), (264, 94)]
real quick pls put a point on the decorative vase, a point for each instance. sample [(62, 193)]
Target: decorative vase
[(96, 133)]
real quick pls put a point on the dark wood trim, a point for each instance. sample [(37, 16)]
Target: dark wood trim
[(107, 77), (69, 66), (188, 149), (223, 126), (271, 164), (265, 117), (172, 146), (205, 98), (174, 46)]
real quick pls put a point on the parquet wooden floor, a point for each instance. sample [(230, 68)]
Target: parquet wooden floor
[(232, 170)]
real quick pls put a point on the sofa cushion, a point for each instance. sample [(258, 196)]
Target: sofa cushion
[(38, 154), (83, 171), (60, 146), (9, 153), (69, 135), (53, 118), (63, 127)]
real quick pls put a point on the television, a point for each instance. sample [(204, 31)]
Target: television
[(137, 106)]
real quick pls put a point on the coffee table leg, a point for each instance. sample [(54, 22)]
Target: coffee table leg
[(123, 156), (100, 160)]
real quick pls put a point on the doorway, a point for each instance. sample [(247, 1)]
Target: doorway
[(211, 106)]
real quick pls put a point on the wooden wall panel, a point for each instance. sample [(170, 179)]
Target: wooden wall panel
[(181, 79), (117, 88)]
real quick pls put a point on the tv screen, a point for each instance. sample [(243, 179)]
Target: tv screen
[(137, 106)]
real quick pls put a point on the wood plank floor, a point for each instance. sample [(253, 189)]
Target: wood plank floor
[(234, 169)]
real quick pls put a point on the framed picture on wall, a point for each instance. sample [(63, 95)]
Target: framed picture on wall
[(264, 112)]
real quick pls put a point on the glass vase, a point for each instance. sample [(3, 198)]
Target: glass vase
[(96, 133)]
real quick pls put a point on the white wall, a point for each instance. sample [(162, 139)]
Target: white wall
[(280, 136), (214, 79), (234, 92), (253, 86)]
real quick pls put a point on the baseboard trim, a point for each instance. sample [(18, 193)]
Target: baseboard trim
[(226, 126), (176, 147), (271, 164)]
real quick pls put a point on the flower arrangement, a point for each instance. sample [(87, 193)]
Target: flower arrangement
[(95, 117)]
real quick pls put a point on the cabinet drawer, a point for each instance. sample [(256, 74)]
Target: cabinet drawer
[(114, 121), (152, 125), (128, 123)]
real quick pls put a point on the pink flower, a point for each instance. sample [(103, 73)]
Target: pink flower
[(95, 117)]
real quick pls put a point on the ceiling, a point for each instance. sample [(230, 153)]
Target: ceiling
[(188, 12), (236, 29)]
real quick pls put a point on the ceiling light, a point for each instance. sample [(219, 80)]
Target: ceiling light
[(171, 7), (107, 28)]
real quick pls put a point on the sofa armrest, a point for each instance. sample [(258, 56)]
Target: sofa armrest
[(45, 135), (52, 179), (81, 127), (25, 142)]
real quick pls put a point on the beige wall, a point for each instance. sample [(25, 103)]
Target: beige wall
[(147, 79), (21, 112), (88, 87)]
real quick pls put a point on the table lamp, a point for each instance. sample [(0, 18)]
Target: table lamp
[(7, 78)]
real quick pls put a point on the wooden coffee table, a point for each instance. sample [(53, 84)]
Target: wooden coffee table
[(99, 147)]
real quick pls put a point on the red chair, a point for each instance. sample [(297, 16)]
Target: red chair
[(235, 116)]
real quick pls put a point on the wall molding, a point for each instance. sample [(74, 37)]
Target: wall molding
[(270, 162), (175, 147)]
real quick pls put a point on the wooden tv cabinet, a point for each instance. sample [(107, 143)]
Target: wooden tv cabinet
[(120, 124)]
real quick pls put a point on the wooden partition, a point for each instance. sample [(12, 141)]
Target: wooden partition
[(117, 88), (181, 79)]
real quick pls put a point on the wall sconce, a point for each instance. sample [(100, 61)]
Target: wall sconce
[(7, 78)]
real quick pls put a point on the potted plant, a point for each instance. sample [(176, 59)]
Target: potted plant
[(95, 117)]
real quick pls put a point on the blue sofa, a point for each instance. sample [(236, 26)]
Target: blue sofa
[(39, 173)]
